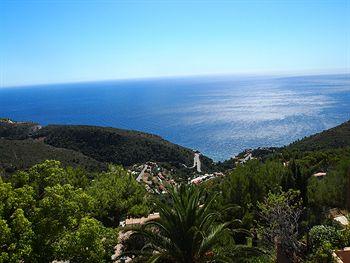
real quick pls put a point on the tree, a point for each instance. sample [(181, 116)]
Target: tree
[(50, 173), (16, 234), (245, 186), (61, 209), (46, 213), (187, 231), (332, 190), (280, 214), (22, 235), (90, 242), (117, 194)]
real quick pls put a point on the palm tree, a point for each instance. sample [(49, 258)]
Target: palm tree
[(187, 231)]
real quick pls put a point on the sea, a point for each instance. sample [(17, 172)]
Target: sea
[(218, 115)]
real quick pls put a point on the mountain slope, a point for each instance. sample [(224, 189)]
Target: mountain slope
[(21, 154), (118, 146), (17, 130), (337, 137), (24, 144), (101, 144)]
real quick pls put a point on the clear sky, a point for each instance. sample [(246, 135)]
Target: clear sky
[(67, 41)]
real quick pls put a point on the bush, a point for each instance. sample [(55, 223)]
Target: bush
[(320, 235), (323, 254)]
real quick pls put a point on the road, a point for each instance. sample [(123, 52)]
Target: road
[(196, 162), (141, 174)]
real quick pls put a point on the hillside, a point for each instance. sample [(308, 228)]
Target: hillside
[(17, 130), (21, 154), (101, 145), (92, 147), (327, 141), (337, 137), (118, 146)]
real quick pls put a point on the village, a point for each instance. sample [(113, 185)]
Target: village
[(156, 177)]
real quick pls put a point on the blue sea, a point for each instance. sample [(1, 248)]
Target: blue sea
[(218, 115)]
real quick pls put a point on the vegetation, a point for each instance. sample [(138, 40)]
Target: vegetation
[(52, 211), (16, 131), (115, 145), (90, 147), (332, 190), (324, 239), (22, 154), (337, 137), (189, 231), (121, 195), (281, 214)]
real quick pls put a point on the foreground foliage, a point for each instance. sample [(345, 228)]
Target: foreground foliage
[(53, 213), (189, 231)]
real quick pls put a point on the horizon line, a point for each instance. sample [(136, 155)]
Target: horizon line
[(246, 74)]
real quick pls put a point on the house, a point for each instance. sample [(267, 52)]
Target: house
[(339, 215), (342, 255), (197, 180), (319, 175), (139, 221), (342, 219), (201, 179)]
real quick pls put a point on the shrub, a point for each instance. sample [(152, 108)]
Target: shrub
[(319, 235)]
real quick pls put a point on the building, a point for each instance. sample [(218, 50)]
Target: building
[(339, 215), (319, 175), (139, 221), (342, 255)]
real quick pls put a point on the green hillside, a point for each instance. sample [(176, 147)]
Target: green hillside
[(21, 154), (90, 146), (17, 130), (116, 145), (335, 140), (337, 137)]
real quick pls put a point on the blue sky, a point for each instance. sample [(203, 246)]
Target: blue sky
[(68, 41)]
